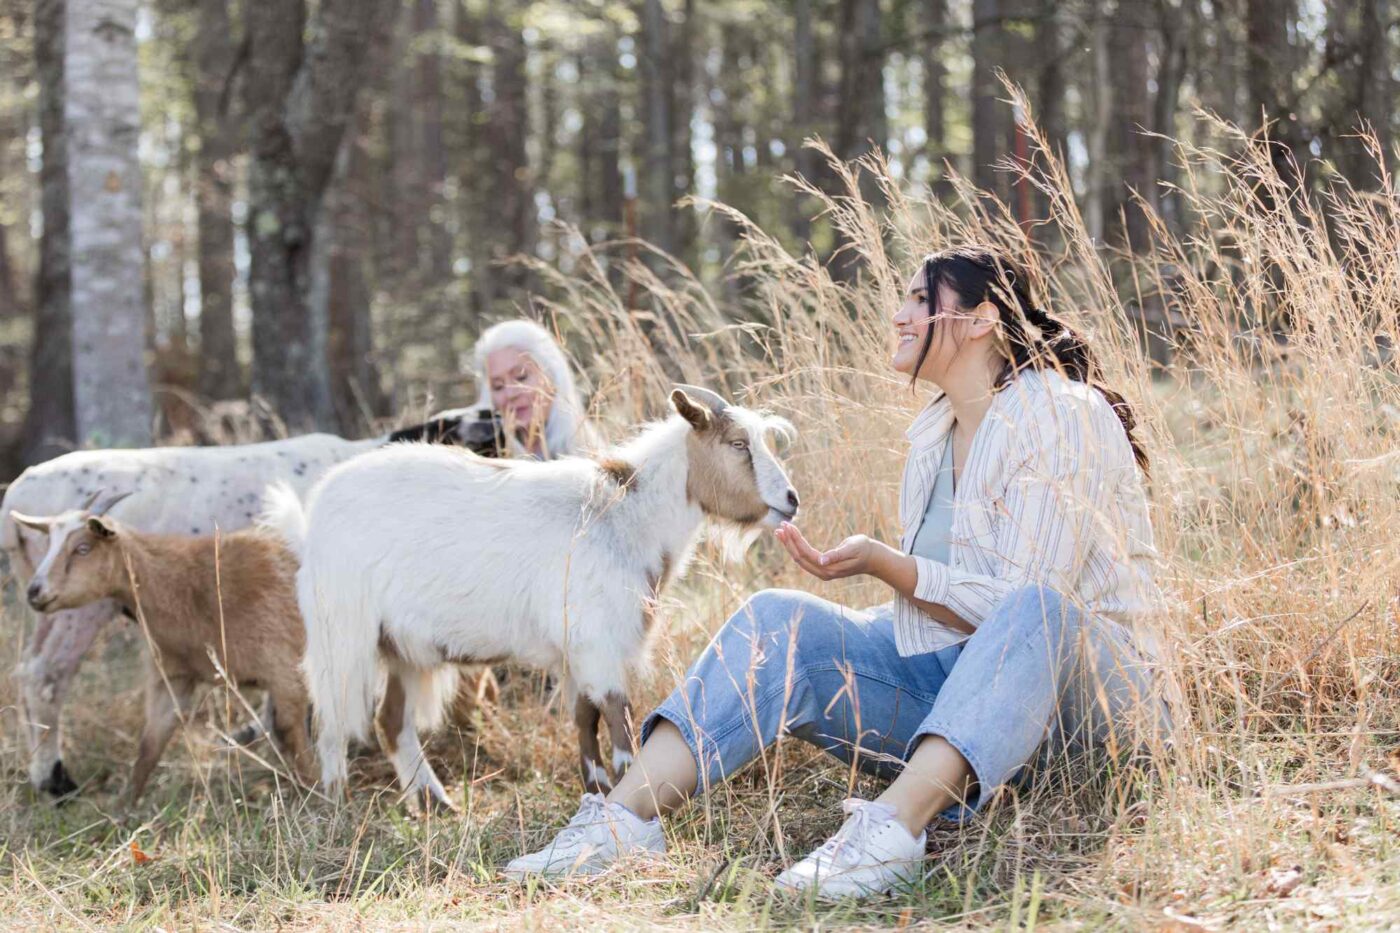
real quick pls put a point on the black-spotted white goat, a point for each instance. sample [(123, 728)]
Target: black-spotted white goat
[(413, 558)]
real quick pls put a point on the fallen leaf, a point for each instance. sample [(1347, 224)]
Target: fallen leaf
[(137, 856)]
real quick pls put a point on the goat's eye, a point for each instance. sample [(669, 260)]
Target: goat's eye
[(83, 549), (739, 445)]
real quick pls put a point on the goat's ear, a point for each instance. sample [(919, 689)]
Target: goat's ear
[(698, 415), (102, 527), (31, 522)]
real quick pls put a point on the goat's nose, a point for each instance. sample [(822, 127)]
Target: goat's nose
[(792, 500), (33, 592)]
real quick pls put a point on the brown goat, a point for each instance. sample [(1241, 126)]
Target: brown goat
[(233, 596)]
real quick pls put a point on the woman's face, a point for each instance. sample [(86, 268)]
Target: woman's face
[(912, 323), (520, 391)]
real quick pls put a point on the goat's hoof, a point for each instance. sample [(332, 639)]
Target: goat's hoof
[(429, 802), (59, 784)]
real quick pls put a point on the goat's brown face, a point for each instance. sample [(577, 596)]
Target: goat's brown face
[(734, 475), (83, 562)]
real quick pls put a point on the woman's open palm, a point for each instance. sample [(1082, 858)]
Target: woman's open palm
[(850, 558)]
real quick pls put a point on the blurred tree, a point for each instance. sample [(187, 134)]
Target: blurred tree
[(50, 426), (213, 58), (111, 389), (299, 96)]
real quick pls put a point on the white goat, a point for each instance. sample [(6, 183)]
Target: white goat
[(419, 557)]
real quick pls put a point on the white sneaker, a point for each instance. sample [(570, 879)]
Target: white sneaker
[(872, 853), (598, 835)]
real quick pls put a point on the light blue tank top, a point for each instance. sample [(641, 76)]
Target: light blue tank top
[(931, 540)]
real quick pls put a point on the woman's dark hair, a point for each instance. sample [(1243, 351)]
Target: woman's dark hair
[(977, 274)]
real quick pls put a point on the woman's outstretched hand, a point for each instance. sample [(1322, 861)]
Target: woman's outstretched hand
[(852, 557)]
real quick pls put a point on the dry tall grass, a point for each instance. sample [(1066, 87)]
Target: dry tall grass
[(1275, 480)]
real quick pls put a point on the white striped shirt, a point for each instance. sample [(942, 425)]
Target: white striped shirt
[(1049, 494)]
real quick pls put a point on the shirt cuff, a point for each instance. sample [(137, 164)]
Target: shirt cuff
[(932, 582)]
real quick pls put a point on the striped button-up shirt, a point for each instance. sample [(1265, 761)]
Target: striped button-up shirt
[(1049, 494)]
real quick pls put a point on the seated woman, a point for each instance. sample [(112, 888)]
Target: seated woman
[(1025, 560), (529, 405)]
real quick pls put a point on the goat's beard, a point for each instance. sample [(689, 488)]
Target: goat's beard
[(733, 538)]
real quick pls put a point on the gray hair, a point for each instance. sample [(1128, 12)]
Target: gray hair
[(565, 429)]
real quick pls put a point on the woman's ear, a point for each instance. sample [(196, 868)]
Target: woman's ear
[(983, 320)]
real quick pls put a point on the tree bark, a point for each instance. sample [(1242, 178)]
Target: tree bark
[(49, 426), (990, 117), (299, 100), (1270, 68), (935, 20), (111, 388), (219, 374), (654, 50), (511, 204), (861, 122), (1130, 150)]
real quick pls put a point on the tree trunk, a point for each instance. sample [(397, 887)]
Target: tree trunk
[(806, 99), (682, 157), (1130, 151), (654, 49), (49, 427), (341, 290), (299, 101), (600, 142), (990, 117), (111, 389), (1270, 69), (512, 202), (861, 122), (1367, 87), (935, 20), (219, 373)]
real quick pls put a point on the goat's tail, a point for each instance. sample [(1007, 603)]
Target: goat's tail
[(284, 514), (342, 660)]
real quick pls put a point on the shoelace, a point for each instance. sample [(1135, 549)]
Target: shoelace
[(863, 819), (592, 810)]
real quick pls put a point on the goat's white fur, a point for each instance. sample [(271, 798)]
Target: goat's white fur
[(440, 555)]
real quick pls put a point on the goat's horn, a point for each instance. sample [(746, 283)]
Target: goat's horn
[(712, 400), (30, 521), (105, 506), (90, 500)]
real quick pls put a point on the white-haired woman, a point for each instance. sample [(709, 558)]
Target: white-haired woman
[(527, 388), (528, 383)]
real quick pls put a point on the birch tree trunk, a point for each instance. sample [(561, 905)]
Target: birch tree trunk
[(111, 389)]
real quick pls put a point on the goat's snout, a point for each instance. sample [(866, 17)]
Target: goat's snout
[(35, 594), (792, 500)]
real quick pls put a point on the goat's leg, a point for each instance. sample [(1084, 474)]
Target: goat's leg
[(617, 712), (167, 699), (590, 756), (407, 695), (51, 658), (289, 706), (257, 727)]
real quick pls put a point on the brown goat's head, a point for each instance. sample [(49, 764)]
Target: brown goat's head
[(83, 562), (734, 475)]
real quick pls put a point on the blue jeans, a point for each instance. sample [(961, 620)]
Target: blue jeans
[(1038, 676)]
